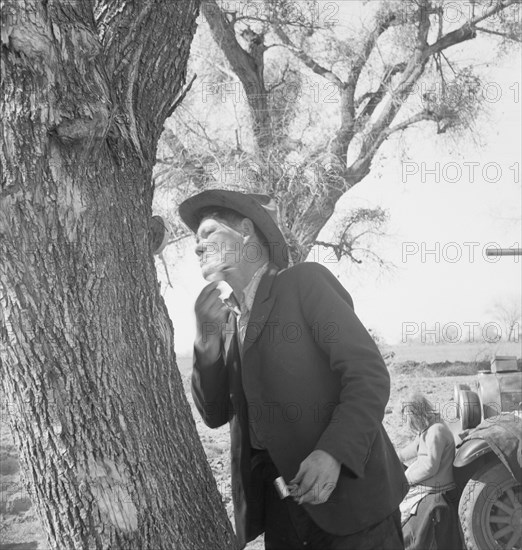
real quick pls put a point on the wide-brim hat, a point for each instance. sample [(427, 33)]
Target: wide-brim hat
[(261, 209)]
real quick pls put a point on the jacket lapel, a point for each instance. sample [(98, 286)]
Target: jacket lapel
[(263, 304), (230, 333)]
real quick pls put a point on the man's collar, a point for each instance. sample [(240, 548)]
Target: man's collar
[(250, 290), (262, 289)]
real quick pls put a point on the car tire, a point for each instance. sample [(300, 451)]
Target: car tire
[(470, 409), (490, 510), (456, 392)]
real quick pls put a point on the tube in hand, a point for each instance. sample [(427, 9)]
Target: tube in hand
[(281, 488)]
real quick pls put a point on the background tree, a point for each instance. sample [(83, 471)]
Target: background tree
[(324, 91), (509, 315), (355, 244), (88, 367)]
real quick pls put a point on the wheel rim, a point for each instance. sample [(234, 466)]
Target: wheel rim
[(502, 517)]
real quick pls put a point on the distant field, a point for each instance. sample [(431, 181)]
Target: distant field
[(184, 364), (468, 353)]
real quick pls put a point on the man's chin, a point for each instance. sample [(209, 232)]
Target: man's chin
[(212, 275)]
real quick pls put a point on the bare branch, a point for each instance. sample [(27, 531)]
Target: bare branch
[(181, 95), (424, 23), (468, 30), (448, 62), (166, 269), (282, 80), (340, 250), (179, 238), (223, 32), (249, 18), (375, 138), (305, 58), (248, 66), (190, 128), (419, 117), (378, 95), (376, 258), (383, 24), (307, 27), (225, 70), (359, 101), (508, 36), (415, 68)]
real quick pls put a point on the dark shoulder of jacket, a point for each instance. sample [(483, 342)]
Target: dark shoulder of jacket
[(314, 272)]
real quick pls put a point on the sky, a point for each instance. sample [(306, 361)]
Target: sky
[(448, 199)]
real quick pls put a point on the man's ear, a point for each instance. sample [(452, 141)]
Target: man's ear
[(247, 228)]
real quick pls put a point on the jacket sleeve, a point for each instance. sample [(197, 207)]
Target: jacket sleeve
[(352, 353), (428, 464), (210, 391)]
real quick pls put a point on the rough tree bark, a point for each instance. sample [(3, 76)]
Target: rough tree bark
[(96, 402)]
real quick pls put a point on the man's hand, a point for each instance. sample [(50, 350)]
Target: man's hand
[(211, 315), (316, 478)]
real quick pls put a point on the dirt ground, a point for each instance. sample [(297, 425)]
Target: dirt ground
[(20, 527)]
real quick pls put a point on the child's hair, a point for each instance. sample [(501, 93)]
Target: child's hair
[(420, 413)]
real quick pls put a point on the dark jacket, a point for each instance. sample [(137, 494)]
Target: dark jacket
[(310, 377)]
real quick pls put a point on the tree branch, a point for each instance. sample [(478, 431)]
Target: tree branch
[(250, 18), (248, 66), (339, 145), (360, 100), (415, 68), (181, 96), (468, 30), (179, 238), (213, 146), (383, 23), (224, 34), (378, 95), (424, 23), (496, 33), (305, 58), (281, 80), (419, 117)]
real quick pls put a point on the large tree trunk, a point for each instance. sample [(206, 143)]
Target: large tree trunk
[(86, 346)]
